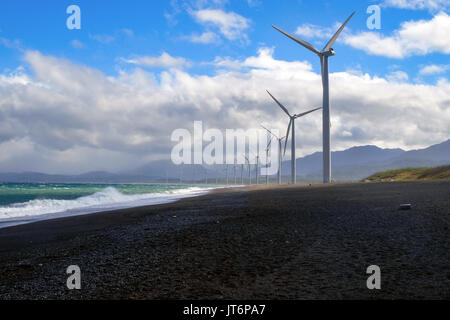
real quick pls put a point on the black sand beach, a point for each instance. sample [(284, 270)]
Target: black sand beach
[(302, 242)]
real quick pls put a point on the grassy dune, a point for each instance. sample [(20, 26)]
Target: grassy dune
[(412, 174)]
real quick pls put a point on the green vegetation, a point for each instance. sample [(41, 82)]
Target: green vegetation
[(412, 174)]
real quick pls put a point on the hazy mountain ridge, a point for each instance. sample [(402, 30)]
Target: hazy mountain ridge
[(368, 160), (353, 164)]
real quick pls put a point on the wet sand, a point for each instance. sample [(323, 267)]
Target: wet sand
[(289, 242)]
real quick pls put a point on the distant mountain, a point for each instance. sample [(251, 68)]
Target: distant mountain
[(356, 156), (37, 177), (164, 169), (438, 154), (359, 162), (352, 164)]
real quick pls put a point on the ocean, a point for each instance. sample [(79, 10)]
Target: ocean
[(28, 202)]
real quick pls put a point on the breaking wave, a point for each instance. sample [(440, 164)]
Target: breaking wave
[(107, 199)]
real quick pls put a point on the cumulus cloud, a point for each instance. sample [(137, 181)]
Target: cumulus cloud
[(230, 24), (431, 5), (165, 60), (413, 38), (64, 117)]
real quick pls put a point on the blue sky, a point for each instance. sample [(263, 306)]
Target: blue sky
[(109, 96), (122, 29)]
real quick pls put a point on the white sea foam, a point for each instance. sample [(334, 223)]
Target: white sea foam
[(108, 199)]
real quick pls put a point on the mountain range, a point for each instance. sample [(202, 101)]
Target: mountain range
[(353, 164)]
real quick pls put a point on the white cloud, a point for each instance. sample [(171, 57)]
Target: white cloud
[(11, 44), (253, 3), (397, 76), (165, 60), (413, 38), (231, 25), (227, 63), (127, 32), (308, 30), (77, 44), (103, 38), (431, 5), (204, 38), (433, 69), (64, 117)]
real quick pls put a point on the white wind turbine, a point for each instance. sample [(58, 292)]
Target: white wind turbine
[(249, 170), (291, 125), (267, 158), (280, 157), (326, 52), (256, 165), (257, 168)]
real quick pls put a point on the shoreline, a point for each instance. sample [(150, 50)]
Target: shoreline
[(288, 242), (169, 197)]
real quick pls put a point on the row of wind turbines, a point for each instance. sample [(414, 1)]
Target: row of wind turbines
[(324, 54)]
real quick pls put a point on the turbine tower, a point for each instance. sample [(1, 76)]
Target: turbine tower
[(242, 174), (257, 168), (280, 157), (326, 52), (267, 158), (249, 171), (291, 124)]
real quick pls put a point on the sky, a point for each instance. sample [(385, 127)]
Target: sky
[(108, 96)]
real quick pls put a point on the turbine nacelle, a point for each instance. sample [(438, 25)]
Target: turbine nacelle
[(328, 53)]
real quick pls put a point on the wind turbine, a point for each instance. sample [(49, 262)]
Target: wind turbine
[(242, 174), (326, 52), (249, 171), (291, 124), (257, 168), (267, 158), (227, 173), (280, 157)]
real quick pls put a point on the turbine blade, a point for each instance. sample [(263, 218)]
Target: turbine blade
[(270, 142), (266, 129), (336, 35), (279, 104), (299, 41), (305, 113), (287, 136), (270, 132)]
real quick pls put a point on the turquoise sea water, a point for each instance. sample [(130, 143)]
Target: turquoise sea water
[(25, 202)]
